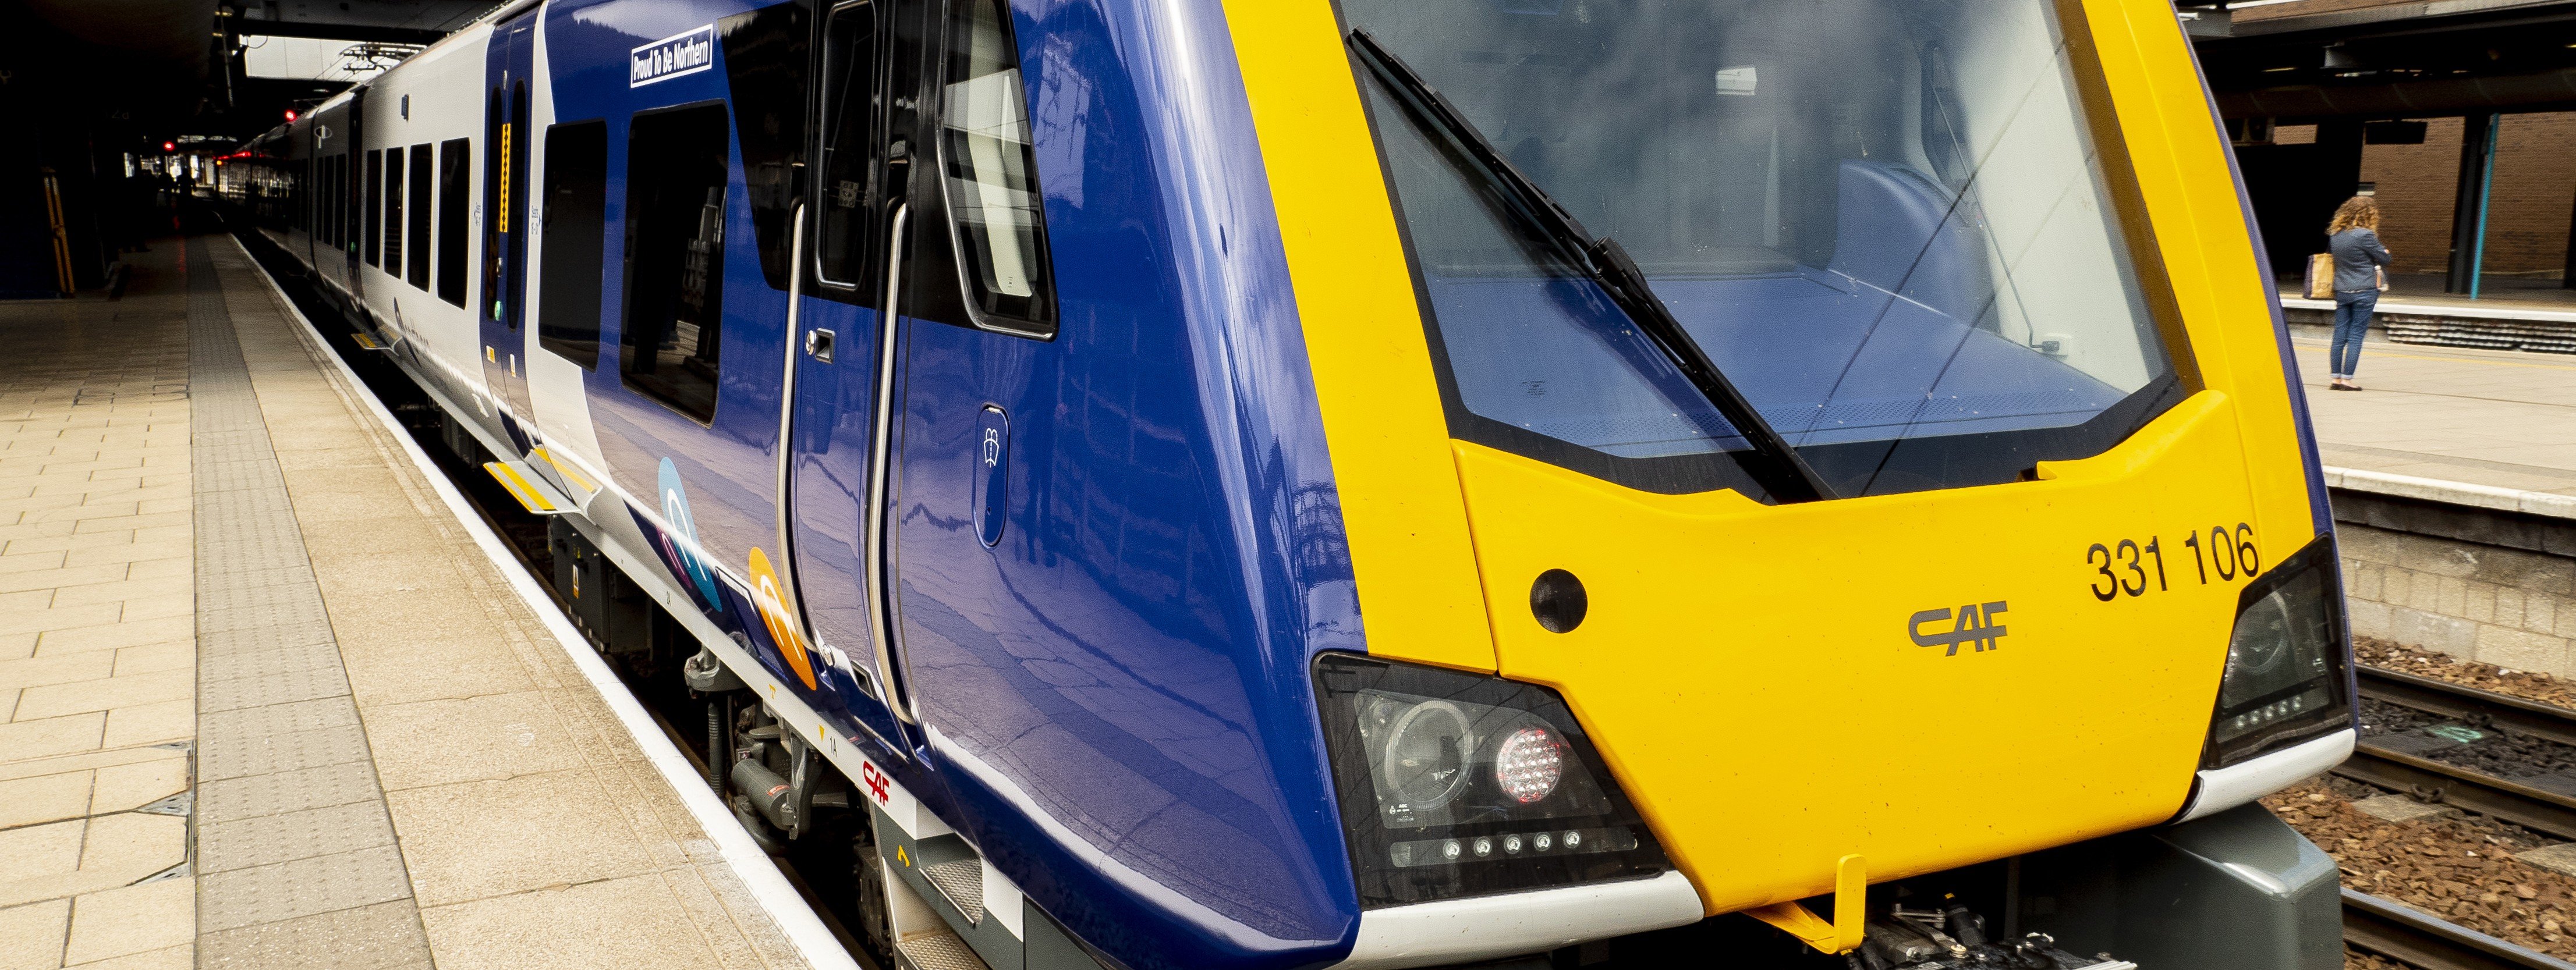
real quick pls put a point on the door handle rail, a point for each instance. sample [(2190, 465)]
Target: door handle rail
[(881, 616), (791, 590)]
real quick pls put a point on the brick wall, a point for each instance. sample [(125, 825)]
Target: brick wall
[(2418, 184), (2534, 194)]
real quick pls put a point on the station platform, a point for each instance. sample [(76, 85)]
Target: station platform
[(2491, 419), (268, 700), (2453, 479), (2537, 320)]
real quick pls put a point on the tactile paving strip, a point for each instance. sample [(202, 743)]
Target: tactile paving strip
[(292, 827)]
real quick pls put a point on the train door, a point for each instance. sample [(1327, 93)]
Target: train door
[(982, 607), (353, 196), (509, 66), (835, 438)]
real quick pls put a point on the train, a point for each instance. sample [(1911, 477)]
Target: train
[(1372, 484)]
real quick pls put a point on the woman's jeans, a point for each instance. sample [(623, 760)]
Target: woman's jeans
[(2352, 321)]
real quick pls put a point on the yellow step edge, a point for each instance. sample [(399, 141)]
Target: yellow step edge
[(533, 492)]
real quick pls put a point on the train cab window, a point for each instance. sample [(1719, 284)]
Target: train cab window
[(416, 241), (676, 169), (393, 217), (455, 178), (1886, 221), (847, 191), (374, 232), (571, 213), (991, 173)]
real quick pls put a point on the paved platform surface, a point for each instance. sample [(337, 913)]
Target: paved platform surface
[(265, 703), (2493, 418)]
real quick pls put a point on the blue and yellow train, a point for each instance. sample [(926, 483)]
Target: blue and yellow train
[(1392, 483)]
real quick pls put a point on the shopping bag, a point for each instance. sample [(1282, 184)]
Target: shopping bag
[(2321, 276)]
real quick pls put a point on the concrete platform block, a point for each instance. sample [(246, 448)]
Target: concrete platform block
[(2560, 858), (2399, 808)]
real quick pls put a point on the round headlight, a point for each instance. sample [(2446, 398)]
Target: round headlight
[(2262, 638), (1529, 763), (1424, 763)]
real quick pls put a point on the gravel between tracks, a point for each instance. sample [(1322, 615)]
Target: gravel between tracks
[(2466, 673), (2457, 868)]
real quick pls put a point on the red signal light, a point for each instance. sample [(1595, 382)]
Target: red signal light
[(169, 146), (290, 114)]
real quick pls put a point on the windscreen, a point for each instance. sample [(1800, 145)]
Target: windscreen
[(1884, 220)]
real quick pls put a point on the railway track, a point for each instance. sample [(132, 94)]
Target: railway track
[(2418, 940), (2407, 935), (2501, 798)]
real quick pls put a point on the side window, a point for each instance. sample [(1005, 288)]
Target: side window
[(339, 199), (849, 140), (374, 232), (675, 206), (393, 228), (352, 173), (423, 188), (327, 213), (991, 172), (576, 194), (764, 58), (455, 174)]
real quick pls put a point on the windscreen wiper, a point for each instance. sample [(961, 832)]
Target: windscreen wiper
[(1783, 472)]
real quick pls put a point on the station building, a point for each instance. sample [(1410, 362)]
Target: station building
[(2459, 116)]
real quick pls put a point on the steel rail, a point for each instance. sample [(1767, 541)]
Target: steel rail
[(2475, 791), (2513, 714), (2420, 940)]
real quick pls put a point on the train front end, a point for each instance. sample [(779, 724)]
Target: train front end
[(1794, 446)]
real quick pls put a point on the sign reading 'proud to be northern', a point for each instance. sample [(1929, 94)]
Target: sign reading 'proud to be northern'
[(673, 56)]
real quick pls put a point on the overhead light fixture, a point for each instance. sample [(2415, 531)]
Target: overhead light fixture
[(2277, 70)]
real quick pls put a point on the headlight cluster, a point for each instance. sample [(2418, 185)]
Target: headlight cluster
[(1454, 784), (2286, 661)]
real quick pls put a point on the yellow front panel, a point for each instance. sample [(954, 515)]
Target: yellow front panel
[(1752, 673)]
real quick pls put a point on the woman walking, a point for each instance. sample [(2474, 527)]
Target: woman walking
[(2358, 256)]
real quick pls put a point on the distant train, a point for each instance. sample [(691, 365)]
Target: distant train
[(1387, 483)]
